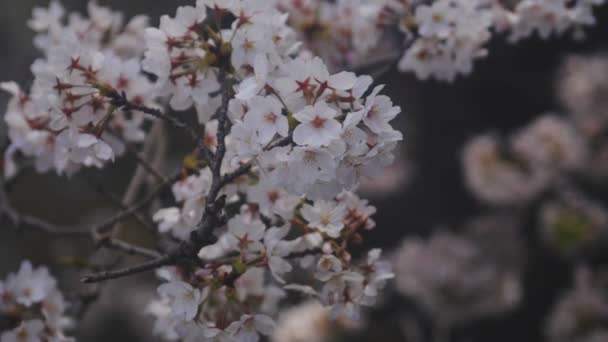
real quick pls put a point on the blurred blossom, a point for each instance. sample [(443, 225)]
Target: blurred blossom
[(583, 90), (305, 323), (513, 172), (572, 222), (391, 182), (581, 315), (497, 180), (452, 278), (551, 142), (32, 299), (497, 235), (433, 39)]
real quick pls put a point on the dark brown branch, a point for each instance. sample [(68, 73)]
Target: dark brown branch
[(230, 177), (129, 248), (203, 235), (19, 220), (121, 101), (141, 219), (144, 267)]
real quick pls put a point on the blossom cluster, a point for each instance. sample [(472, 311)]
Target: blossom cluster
[(31, 300), (309, 134), (64, 120), (459, 278), (281, 139), (581, 314), (546, 160), (440, 39)]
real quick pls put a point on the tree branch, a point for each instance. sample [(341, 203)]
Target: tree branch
[(145, 221), (139, 178), (121, 101), (129, 248), (202, 236), (147, 266), (105, 227)]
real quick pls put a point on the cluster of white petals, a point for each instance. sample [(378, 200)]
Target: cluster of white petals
[(572, 222), (305, 136), (64, 120), (514, 172), (442, 39), (251, 267), (302, 137), (31, 297), (580, 315), (457, 279), (549, 157), (497, 179)]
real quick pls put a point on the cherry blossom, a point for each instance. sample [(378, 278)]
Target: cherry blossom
[(280, 141), (183, 298), (32, 298)]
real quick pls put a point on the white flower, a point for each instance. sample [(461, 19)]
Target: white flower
[(327, 267), (43, 18), (245, 142), (272, 199), (28, 331), (53, 308), (434, 20), (248, 43), (377, 273), (30, 286), (192, 187), (325, 216), (253, 85), (311, 79), (266, 118), (318, 127), (306, 322), (183, 299), (379, 111), (277, 249), (250, 283), (165, 324), (248, 328), (243, 236), (180, 222), (168, 218), (90, 146), (308, 165), (194, 89)]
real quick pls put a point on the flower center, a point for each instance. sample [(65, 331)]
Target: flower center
[(22, 335), (270, 117), (27, 292), (310, 157), (318, 122), (273, 196), (325, 220)]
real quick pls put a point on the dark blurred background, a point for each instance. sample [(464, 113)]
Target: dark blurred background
[(506, 90)]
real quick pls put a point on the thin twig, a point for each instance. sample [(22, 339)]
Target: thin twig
[(121, 101), (202, 236), (144, 267), (139, 177), (144, 221), (145, 164), (130, 249), (105, 227)]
